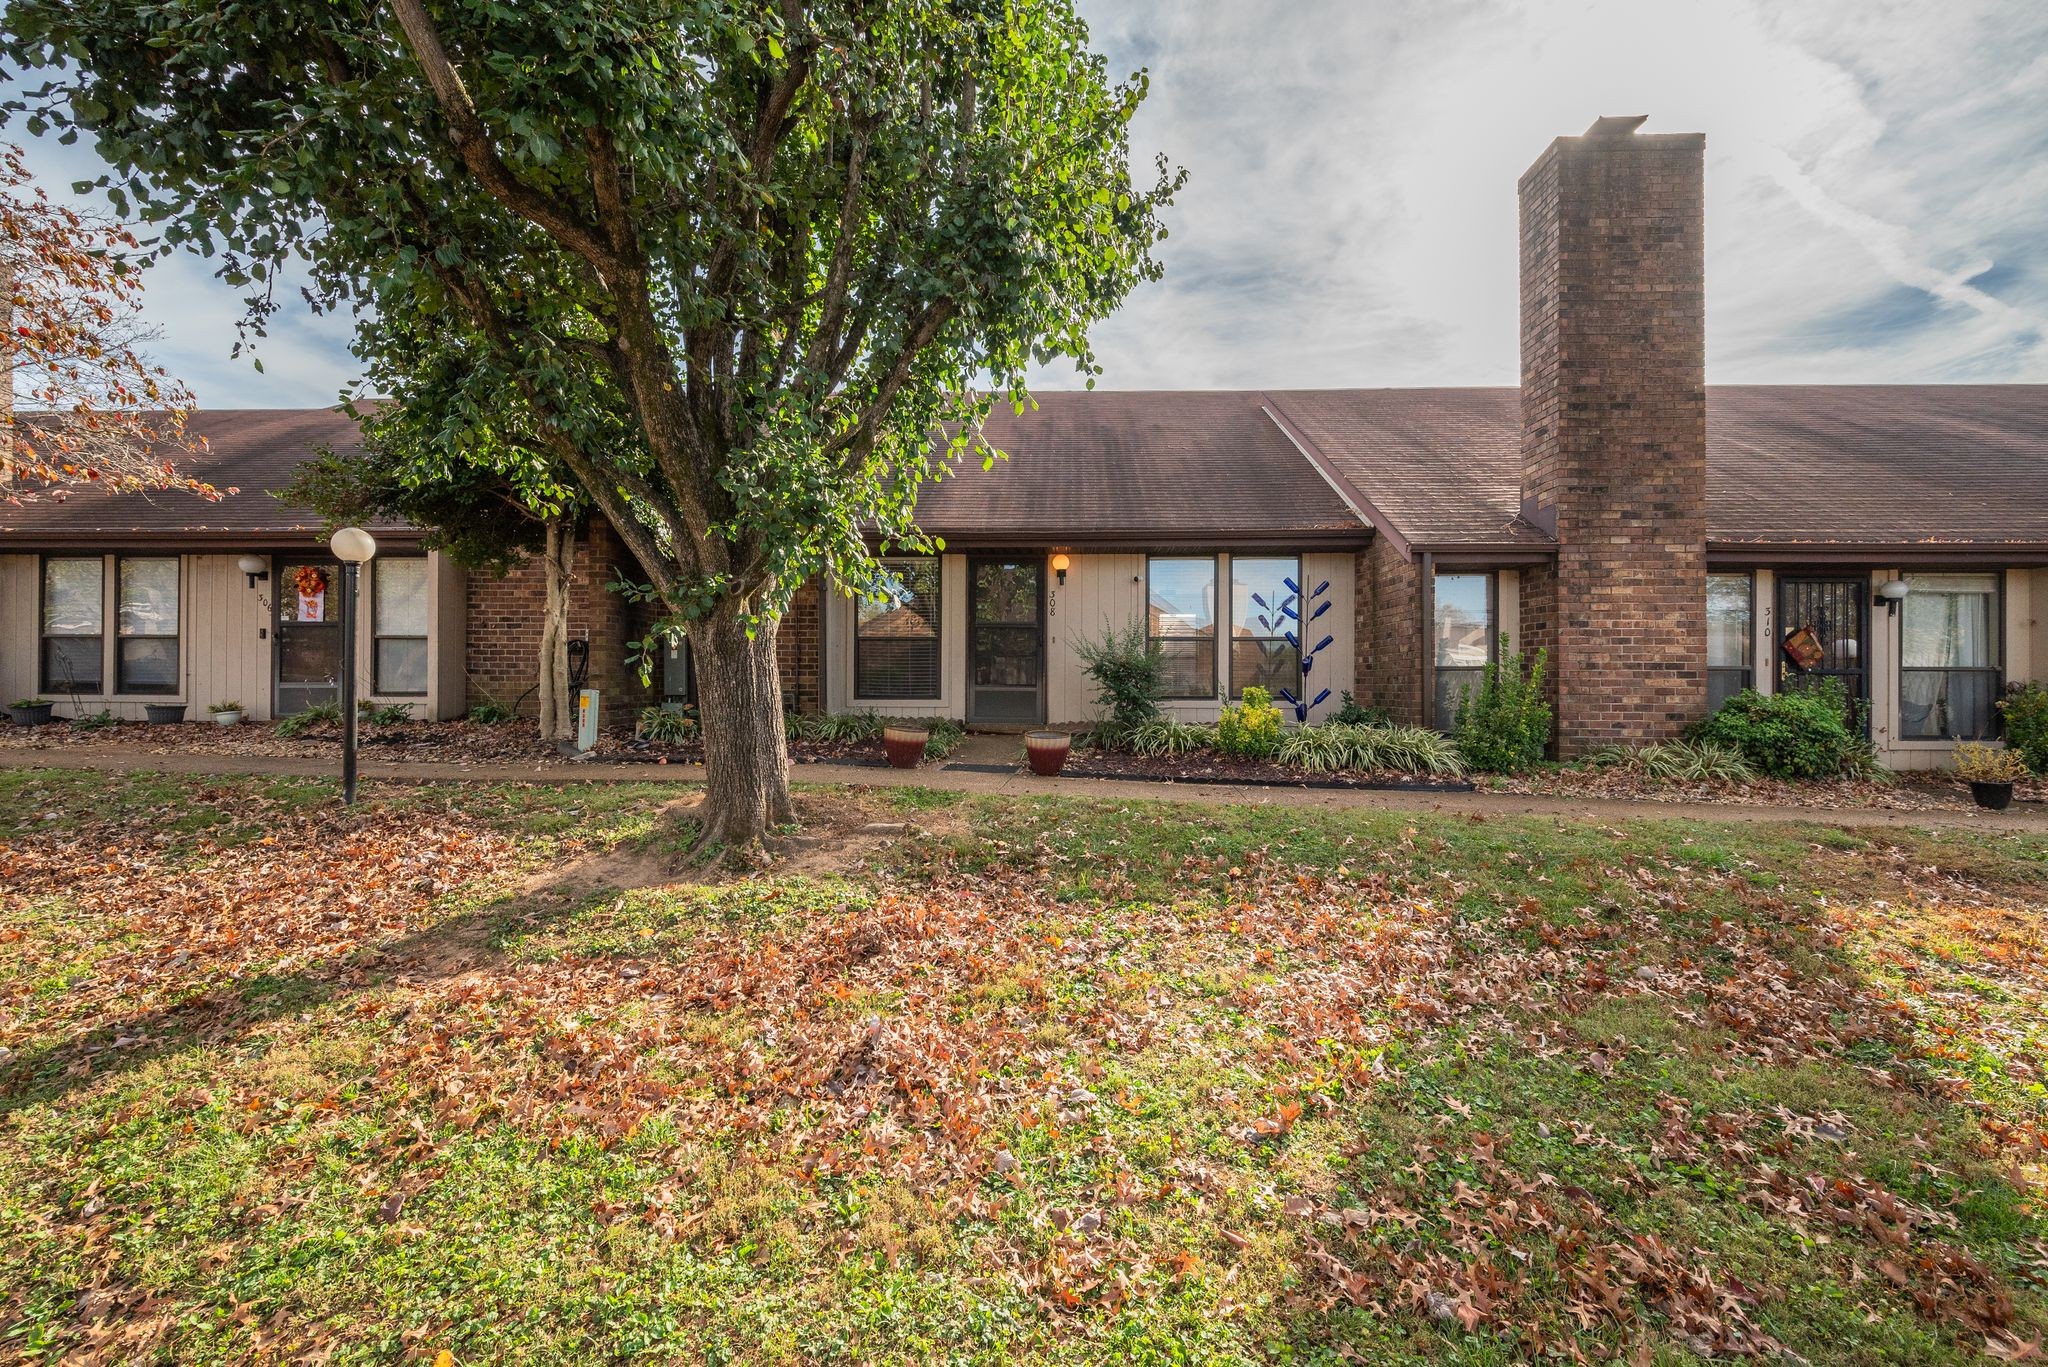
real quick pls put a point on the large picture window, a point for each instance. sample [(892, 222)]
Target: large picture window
[(896, 635), (1265, 608), (1465, 635), (74, 624), (146, 653), (398, 615), (1949, 657), (1730, 639), (1180, 617)]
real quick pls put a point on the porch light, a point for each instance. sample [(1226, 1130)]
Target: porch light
[(354, 547), (1060, 564), (256, 567), (1891, 593)]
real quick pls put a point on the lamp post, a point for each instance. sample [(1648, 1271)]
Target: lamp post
[(353, 547)]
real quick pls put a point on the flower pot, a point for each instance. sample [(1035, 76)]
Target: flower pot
[(227, 719), (1994, 796), (36, 714), (163, 713), (1047, 751), (904, 745)]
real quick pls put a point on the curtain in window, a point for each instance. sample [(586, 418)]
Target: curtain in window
[(399, 617), (1948, 658), (147, 624), (1729, 637), (74, 618)]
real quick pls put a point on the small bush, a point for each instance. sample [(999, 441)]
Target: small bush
[(390, 714), (1367, 749), (1695, 760), (227, 706), (1319, 749), (298, 722), (2025, 709), (490, 714), (1250, 729), (98, 721), (1166, 736), (1989, 764), (1352, 712), (667, 725), (1504, 724), (1128, 672), (1799, 734), (942, 736)]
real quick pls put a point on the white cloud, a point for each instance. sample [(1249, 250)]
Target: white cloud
[(1877, 175)]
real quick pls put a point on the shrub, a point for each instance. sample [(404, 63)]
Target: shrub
[(2025, 709), (390, 714), (1988, 764), (1352, 712), (490, 714), (1414, 750), (1697, 760), (1250, 729), (1166, 736), (98, 721), (1128, 671), (1319, 749), (1799, 734), (667, 725), (942, 736), (1504, 723), (312, 716)]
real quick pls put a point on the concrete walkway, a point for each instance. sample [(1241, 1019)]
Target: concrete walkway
[(2030, 817)]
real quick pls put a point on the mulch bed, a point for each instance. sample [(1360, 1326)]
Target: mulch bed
[(1909, 792), (1212, 768)]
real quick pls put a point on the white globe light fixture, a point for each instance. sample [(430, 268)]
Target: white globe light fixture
[(353, 547), (1892, 593)]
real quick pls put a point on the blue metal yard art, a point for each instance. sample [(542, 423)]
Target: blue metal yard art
[(1289, 609)]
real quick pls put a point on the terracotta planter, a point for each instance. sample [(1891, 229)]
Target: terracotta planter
[(905, 745), (37, 714), (1047, 751), (1995, 796), (163, 713)]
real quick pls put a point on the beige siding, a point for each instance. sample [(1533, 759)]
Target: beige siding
[(1102, 591), (226, 644), (20, 640), (2026, 657)]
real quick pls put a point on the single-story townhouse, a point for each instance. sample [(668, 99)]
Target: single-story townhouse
[(1666, 542)]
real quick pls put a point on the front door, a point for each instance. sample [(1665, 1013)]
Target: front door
[(1837, 610), (1006, 641), (310, 619)]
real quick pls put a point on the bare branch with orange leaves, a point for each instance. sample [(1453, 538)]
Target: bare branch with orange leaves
[(96, 411)]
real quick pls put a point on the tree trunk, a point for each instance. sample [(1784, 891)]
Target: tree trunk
[(739, 702), (558, 561)]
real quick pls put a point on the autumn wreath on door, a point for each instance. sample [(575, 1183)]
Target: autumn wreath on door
[(1803, 648), (310, 584)]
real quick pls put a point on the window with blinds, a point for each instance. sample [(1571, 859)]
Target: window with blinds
[(896, 635)]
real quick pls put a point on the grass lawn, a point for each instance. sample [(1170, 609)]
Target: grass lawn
[(487, 1074)]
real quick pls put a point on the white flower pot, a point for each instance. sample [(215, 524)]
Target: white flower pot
[(227, 718)]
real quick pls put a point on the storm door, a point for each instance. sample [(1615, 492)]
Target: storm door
[(1006, 641)]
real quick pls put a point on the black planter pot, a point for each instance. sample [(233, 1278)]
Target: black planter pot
[(1995, 796), (38, 715), (163, 713)]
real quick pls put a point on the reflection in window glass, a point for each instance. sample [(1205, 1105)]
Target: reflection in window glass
[(1180, 617), (1729, 637), (1463, 637), (896, 634), (147, 623), (1265, 605)]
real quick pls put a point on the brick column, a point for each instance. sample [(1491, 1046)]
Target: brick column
[(1614, 441)]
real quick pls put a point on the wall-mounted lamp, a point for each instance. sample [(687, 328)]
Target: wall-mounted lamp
[(256, 567), (1891, 593), (1060, 565)]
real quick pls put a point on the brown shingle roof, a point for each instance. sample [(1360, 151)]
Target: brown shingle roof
[(253, 449), (1137, 467), (1839, 464)]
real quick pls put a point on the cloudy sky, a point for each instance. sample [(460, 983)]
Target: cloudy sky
[(1877, 190)]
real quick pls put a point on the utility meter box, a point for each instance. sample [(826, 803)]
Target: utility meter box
[(586, 720)]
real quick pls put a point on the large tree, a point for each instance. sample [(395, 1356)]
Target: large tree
[(105, 416), (739, 260)]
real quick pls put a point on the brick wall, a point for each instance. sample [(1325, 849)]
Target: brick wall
[(504, 620), (1614, 427), (799, 648), (1388, 608)]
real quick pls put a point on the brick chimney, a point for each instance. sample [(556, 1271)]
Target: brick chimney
[(1614, 428)]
